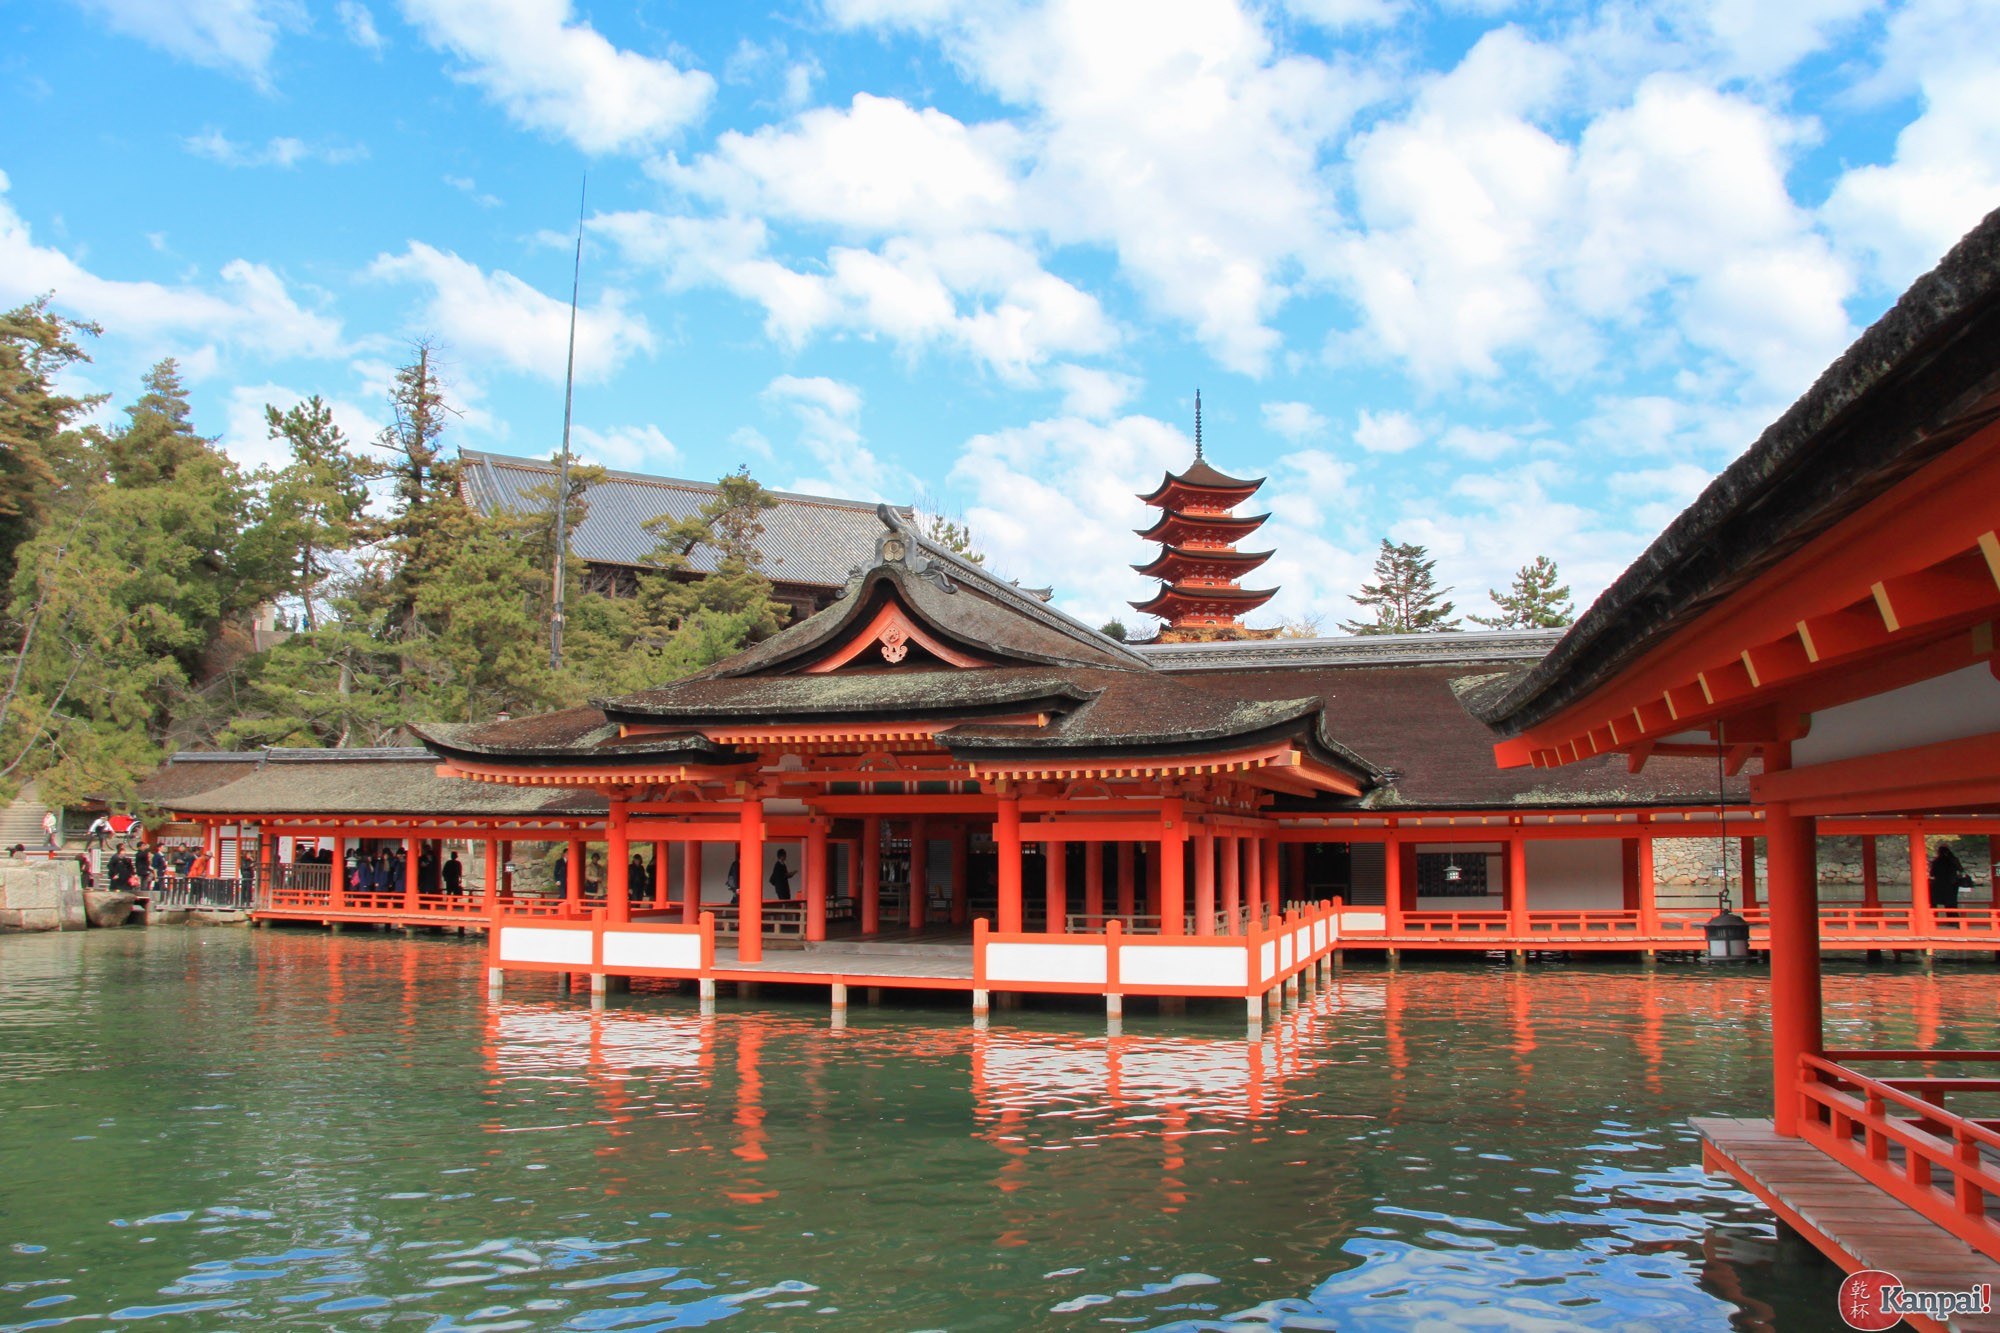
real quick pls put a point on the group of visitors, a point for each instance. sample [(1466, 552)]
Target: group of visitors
[(642, 877), (387, 871)]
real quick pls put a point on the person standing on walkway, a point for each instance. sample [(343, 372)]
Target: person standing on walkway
[(781, 878), (454, 875), (51, 829)]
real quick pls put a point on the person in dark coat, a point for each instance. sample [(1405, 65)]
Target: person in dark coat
[(453, 875), (1947, 877), (638, 883), (781, 878), (120, 870), (561, 872), (427, 871)]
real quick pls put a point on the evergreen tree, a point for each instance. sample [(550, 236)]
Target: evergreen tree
[(1534, 601), (1404, 596), (947, 530), (317, 505), (39, 428), (1114, 629), (429, 516)]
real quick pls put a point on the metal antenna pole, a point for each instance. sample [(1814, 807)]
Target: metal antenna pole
[(562, 467)]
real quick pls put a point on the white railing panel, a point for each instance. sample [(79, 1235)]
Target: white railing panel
[(530, 944), (1083, 963), (1267, 960), (1180, 965), (633, 948)]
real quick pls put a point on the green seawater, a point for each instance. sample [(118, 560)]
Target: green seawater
[(216, 1129)]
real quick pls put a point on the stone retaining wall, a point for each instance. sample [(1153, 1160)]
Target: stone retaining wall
[(41, 895)]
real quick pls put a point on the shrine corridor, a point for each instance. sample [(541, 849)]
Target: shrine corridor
[(332, 1130)]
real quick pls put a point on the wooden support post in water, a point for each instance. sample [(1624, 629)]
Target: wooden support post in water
[(1793, 890)]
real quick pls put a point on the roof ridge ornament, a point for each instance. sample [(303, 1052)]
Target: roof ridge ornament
[(1197, 425), (901, 545)]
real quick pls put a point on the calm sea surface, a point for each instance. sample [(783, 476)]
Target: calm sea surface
[(212, 1129)]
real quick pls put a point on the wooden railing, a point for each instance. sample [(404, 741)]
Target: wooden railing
[(1898, 1135), (1267, 954), (782, 917), (1146, 923), (1848, 925)]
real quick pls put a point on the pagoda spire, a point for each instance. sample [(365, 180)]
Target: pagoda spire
[(1198, 565)]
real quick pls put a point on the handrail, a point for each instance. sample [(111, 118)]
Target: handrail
[(1933, 1139)]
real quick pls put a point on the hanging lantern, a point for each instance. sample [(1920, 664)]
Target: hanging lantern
[(1451, 870), (1728, 934)]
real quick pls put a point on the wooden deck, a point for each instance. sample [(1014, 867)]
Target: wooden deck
[(1850, 1221)]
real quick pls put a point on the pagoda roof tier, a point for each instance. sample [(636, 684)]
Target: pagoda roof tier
[(1178, 529), (1175, 563), (1171, 602), (1202, 486)]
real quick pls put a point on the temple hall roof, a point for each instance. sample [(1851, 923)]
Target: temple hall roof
[(386, 781), (807, 539)]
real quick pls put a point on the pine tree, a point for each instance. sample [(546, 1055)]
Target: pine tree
[(1405, 594), (1534, 601), (429, 516), (948, 530), (39, 427), (317, 505)]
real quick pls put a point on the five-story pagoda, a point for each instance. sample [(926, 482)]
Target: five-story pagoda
[(1198, 566)]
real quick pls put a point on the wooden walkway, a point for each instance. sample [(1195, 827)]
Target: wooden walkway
[(934, 966), (1850, 1221)]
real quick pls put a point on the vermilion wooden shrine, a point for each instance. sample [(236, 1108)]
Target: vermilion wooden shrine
[(1829, 605)]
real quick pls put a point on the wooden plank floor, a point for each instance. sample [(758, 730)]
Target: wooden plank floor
[(1853, 1223)]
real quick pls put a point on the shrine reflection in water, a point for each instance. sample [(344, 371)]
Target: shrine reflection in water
[(341, 1131)]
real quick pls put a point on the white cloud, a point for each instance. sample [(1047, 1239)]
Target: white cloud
[(251, 310), (977, 292), (281, 151), (1387, 432), (626, 448), (877, 166), (828, 413), (552, 72), (1094, 393), (235, 35), (1079, 478), (1341, 15), (1902, 216), (1296, 422), (469, 187), (497, 317), (247, 437), (358, 22)]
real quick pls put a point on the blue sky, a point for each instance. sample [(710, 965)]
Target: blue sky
[(1502, 279)]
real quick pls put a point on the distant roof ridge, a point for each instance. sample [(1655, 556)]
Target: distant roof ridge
[(1021, 599), (1522, 645), (494, 459)]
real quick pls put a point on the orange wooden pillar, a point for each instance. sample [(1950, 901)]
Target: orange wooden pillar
[(1128, 881), (573, 878), (1649, 888), (1923, 917), (1793, 888), (1517, 884), (267, 855), (337, 879), (1172, 858), (411, 849), (618, 862), (1232, 884), (1152, 904), (961, 875), (1093, 883), (1007, 845), (750, 879), (490, 900), (920, 873), (1274, 902), (1253, 876), (1392, 885), (1055, 887), (1204, 882), (1748, 853), (871, 875), (1871, 873), (662, 875), (690, 883), (816, 880), (507, 869)]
